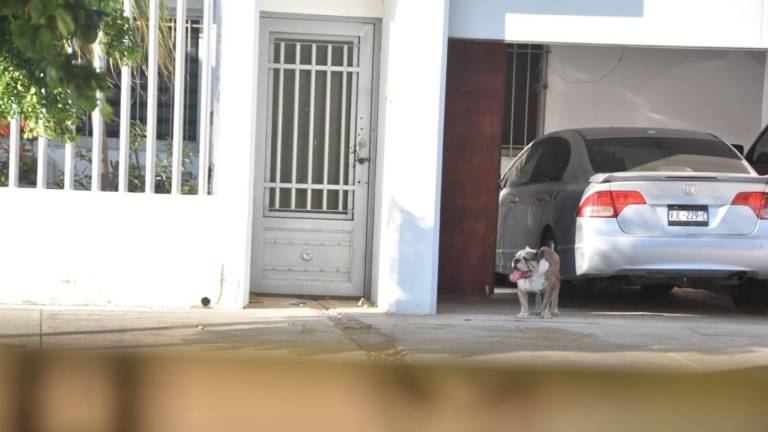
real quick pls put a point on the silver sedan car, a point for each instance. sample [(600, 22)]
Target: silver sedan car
[(657, 208)]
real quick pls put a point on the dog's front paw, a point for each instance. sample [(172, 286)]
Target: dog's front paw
[(555, 313), (546, 315), (522, 315)]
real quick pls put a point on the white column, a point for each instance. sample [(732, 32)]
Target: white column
[(409, 162), (234, 131)]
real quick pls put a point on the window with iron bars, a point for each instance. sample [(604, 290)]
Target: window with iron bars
[(525, 94)]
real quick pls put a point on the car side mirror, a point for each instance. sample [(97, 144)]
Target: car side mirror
[(739, 148)]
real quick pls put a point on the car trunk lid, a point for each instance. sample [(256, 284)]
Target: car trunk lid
[(686, 204)]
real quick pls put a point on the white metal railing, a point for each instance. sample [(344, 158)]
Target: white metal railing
[(98, 125), (178, 95), (42, 163), (98, 129), (125, 115), (152, 48), (13, 153), (206, 57)]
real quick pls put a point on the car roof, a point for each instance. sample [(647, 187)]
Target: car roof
[(636, 132)]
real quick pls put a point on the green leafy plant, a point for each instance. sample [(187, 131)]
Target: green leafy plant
[(47, 73)]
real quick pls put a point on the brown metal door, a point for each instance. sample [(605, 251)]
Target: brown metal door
[(474, 111)]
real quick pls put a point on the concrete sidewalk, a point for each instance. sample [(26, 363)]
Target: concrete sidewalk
[(689, 331)]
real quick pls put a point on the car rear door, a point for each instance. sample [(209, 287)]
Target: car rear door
[(546, 184), (515, 200)]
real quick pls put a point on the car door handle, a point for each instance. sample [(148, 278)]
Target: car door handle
[(513, 199), (544, 198)]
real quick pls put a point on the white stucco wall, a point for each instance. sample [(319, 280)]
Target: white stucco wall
[(764, 119), (83, 248), (348, 8), (685, 23), (711, 90)]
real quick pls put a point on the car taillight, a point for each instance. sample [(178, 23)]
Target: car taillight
[(757, 201), (608, 204)]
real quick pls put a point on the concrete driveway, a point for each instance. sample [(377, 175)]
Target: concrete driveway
[(689, 331)]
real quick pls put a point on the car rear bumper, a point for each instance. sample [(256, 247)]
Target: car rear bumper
[(602, 249)]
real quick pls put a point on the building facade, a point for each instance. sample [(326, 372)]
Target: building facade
[(319, 152)]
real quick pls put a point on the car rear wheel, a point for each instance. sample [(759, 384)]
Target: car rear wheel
[(752, 296), (567, 288), (657, 290)]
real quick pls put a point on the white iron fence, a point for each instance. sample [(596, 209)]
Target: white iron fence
[(148, 151)]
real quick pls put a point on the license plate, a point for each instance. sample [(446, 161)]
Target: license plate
[(687, 215)]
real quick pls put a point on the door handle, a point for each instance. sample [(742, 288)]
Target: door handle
[(513, 199), (359, 158), (544, 198)]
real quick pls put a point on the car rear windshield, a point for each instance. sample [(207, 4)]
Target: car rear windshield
[(608, 155)]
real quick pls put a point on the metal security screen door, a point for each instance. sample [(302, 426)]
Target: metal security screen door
[(315, 81)]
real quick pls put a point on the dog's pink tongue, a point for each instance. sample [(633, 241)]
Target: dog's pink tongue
[(516, 276)]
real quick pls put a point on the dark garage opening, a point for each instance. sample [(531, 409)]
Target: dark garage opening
[(494, 105)]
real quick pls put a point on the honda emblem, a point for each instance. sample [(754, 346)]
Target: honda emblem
[(690, 189)]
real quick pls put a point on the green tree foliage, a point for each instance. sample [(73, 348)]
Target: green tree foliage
[(47, 73)]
